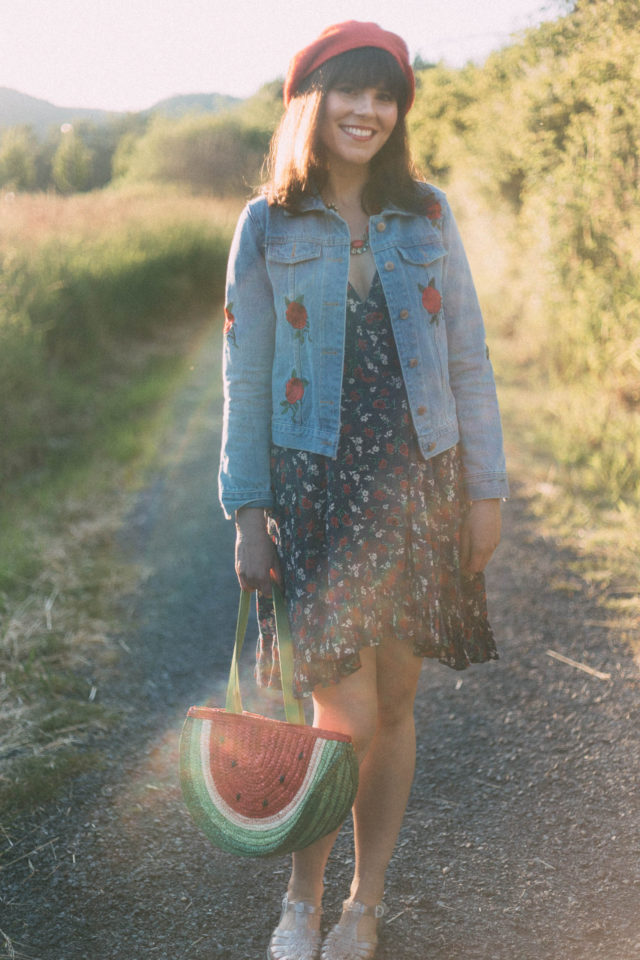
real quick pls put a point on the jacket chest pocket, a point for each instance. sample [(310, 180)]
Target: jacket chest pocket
[(427, 257), (293, 266)]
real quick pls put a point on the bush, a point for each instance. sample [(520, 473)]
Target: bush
[(220, 156)]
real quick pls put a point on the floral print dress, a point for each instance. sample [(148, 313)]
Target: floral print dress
[(369, 542)]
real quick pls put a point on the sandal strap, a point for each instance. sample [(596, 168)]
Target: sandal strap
[(355, 906), (299, 906)]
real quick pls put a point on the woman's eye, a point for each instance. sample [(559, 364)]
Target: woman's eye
[(384, 95), (345, 88)]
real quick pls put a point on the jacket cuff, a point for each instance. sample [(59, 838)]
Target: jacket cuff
[(487, 488), (230, 506)]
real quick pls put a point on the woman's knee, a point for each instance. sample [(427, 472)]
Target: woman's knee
[(396, 712), (397, 684)]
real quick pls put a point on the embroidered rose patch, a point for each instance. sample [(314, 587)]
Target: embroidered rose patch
[(434, 212), (297, 316), (229, 328), (294, 392), (431, 299)]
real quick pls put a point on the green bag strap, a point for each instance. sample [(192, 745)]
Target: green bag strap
[(292, 708)]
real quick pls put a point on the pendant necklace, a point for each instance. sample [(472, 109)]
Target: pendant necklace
[(356, 247)]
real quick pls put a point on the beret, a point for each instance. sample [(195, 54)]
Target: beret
[(339, 38)]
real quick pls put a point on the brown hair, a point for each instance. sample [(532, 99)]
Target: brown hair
[(297, 164)]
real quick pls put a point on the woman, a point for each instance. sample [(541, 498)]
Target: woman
[(362, 452)]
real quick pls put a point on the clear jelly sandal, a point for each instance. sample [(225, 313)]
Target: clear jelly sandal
[(343, 942), (300, 939)]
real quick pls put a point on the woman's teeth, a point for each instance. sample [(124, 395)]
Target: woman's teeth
[(363, 133)]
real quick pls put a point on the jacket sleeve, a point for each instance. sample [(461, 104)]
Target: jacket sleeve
[(249, 334), (471, 375)]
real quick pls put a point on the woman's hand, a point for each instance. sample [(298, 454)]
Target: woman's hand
[(480, 535), (256, 556)]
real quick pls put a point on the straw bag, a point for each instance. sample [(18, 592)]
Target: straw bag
[(258, 786)]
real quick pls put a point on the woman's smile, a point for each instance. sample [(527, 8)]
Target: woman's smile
[(357, 122), (359, 133)]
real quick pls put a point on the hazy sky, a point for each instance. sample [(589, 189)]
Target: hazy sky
[(128, 54)]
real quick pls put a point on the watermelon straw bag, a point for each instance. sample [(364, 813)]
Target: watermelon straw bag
[(258, 786)]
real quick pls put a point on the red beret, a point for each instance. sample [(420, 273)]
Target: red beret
[(338, 39)]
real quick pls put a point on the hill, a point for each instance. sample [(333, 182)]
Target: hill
[(182, 104), (17, 109)]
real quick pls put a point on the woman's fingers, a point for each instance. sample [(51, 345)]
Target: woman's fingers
[(480, 535), (256, 560)]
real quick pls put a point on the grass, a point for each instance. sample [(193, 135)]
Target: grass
[(58, 641), (573, 445), (72, 305), (85, 406)]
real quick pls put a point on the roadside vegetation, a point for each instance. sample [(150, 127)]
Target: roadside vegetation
[(103, 290), (540, 151), (101, 300)]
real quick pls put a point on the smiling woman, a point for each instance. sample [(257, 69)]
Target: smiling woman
[(360, 420)]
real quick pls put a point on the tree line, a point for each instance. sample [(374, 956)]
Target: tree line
[(218, 154)]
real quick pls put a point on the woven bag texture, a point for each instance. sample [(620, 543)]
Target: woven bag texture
[(258, 787)]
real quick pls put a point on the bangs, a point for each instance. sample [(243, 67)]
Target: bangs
[(363, 67)]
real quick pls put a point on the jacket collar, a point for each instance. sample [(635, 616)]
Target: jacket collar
[(315, 202)]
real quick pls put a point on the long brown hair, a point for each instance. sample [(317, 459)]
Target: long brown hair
[(297, 164)]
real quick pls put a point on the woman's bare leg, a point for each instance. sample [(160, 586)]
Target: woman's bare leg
[(348, 707), (386, 773), (375, 706)]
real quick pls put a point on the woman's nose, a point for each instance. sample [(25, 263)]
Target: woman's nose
[(364, 103)]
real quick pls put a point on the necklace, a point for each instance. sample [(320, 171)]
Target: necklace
[(356, 247)]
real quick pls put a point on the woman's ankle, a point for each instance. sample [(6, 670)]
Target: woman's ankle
[(310, 892), (368, 894)]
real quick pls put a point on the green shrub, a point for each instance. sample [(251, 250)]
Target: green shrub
[(67, 313), (208, 154)]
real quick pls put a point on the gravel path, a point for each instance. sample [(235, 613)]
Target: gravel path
[(522, 837)]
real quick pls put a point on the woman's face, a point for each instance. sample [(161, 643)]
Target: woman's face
[(356, 123)]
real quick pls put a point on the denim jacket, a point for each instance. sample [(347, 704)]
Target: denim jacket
[(284, 351)]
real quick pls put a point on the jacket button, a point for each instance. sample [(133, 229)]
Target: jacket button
[(404, 314), (421, 411), (389, 265), (413, 362), (431, 447), (381, 227)]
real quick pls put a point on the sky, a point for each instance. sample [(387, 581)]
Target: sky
[(129, 54)]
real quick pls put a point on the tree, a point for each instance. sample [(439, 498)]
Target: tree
[(17, 159), (72, 163)]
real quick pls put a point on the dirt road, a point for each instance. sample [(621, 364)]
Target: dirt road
[(522, 838)]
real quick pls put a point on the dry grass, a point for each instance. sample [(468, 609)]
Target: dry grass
[(57, 643), (37, 218)]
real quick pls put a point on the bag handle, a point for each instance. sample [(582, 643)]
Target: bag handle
[(292, 708)]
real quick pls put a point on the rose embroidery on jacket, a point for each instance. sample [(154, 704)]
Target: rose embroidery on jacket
[(297, 316), (434, 212), (431, 299), (229, 321), (294, 392)]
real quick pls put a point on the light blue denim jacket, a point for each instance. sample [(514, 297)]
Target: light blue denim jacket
[(284, 331)]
